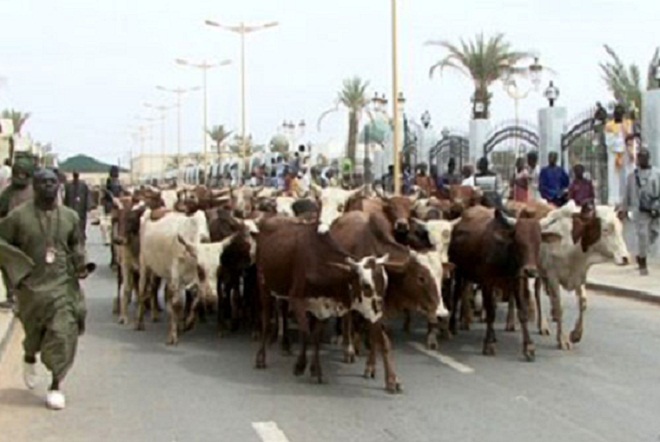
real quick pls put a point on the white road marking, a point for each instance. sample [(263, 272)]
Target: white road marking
[(444, 359), (269, 432)]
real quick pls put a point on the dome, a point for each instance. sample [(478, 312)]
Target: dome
[(279, 143), (379, 131)]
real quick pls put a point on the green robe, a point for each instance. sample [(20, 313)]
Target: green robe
[(51, 304)]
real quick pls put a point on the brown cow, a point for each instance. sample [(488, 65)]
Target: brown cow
[(295, 261), (496, 252)]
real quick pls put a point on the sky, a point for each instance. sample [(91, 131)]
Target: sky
[(84, 69)]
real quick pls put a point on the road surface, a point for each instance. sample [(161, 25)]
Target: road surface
[(129, 386)]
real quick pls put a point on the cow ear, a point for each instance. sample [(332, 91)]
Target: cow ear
[(578, 228), (550, 237)]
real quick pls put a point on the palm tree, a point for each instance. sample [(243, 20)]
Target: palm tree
[(219, 134), (353, 97), (18, 118), (483, 61)]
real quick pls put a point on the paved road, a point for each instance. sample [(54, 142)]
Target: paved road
[(129, 386)]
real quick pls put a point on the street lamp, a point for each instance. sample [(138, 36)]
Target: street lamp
[(242, 29), (163, 116), (551, 94), (179, 92), (204, 66), (426, 119), (395, 104)]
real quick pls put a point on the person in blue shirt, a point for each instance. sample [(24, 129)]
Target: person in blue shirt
[(553, 182)]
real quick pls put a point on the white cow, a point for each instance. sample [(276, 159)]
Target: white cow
[(573, 242), (333, 202), (284, 205), (164, 253)]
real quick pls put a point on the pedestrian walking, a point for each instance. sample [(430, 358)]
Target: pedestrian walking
[(78, 197), (520, 182), (113, 189), (534, 173), (581, 189), (642, 198), (52, 308), (553, 182)]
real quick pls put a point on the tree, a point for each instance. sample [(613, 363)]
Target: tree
[(18, 118), (219, 134), (483, 61), (353, 97), (625, 82)]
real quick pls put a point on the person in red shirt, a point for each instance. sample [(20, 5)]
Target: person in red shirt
[(581, 189)]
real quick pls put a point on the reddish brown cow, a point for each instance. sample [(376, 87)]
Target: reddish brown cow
[(295, 261), (496, 252)]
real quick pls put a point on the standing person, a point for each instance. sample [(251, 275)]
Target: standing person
[(113, 189), (487, 180), (5, 174), (581, 189), (52, 309), (78, 197), (424, 181), (467, 175), (534, 174), (553, 182), (520, 182), (642, 197)]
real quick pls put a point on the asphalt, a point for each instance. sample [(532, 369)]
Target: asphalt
[(130, 386)]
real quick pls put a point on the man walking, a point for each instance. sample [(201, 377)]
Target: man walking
[(553, 182), (78, 198), (642, 197), (581, 189), (534, 174), (52, 309)]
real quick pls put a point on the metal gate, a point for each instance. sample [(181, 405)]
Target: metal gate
[(508, 141), (453, 144)]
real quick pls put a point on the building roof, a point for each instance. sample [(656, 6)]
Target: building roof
[(85, 164)]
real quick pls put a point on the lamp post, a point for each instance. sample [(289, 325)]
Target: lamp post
[(395, 104), (179, 92), (551, 94), (163, 116), (204, 66), (242, 29)]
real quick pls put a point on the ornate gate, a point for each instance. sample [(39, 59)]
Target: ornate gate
[(502, 152), (453, 144)]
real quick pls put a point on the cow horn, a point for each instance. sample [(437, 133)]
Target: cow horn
[(116, 202), (358, 190), (454, 222), (352, 262), (188, 246), (341, 266), (499, 215), (383, 259), (419, 221)]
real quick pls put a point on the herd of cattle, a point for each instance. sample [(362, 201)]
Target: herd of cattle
[(257, 258)]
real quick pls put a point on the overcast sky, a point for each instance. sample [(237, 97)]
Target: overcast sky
[(84, 68)]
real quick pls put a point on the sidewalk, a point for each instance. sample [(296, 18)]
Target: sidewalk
[(7, 322), (625, 281)]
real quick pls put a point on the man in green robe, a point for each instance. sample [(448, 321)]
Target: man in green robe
[(51, 304), (18, 192)]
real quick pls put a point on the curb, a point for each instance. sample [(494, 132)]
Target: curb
[(623, 292), (4, 340)]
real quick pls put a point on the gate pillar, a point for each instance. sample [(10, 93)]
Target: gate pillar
[(552, 124), (651, 124), (479, 130)]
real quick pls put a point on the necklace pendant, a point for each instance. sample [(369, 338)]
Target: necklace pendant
[(50, 255)]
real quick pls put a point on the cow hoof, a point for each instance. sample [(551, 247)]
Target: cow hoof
[(299, 367), (489, 349), (139, 327), (564, 344), (432, 343), (510, 328), (172, 341), (370, 372), (545, 331), (394, 387), (530, 353), (349, 358), (122, 321), (261, 361), (575, 336), (189, 325)]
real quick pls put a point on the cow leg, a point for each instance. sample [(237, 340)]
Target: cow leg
[(175, 307), (301, 363), (315, 369), (192, 314), (153, 298), (347, 338), (142, 288), (523, 316), (266, 305), (392, 384), (116, 305), (541, 321), (406, 321), (128, 285), (459, 286), (432, 332), (466, 306), (531, 304), (489, 305), (576, 334), (553, 292), (235, 301), (284, 331), (510, 316)]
